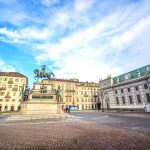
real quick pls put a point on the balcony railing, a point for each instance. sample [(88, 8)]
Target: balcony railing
[(15, 89), (85, 95), (7, 96), (10, 82), (2, 88)]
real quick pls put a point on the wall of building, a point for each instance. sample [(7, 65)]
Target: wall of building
[(127, 91), (81, 94), (10, 92)]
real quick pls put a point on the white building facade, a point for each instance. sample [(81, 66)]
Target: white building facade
[(130, 91)]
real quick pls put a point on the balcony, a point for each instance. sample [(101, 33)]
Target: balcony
[(7, 96), (85, 95), (2, 88), (10, 82), (15, 89)]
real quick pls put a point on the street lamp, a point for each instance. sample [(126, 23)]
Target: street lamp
[(102, 95)]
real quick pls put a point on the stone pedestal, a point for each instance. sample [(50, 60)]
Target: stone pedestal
[(41, 105)]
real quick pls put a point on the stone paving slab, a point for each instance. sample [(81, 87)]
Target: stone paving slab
[(68, 135)]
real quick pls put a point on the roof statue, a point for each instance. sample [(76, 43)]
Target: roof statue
[(42, 73)]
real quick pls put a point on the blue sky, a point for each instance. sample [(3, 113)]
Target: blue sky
[(84, 39)]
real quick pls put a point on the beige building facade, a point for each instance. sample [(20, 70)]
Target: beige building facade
[(11, 86), (84, 95)]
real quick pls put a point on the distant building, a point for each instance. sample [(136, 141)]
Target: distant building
[(81, 94), (127, 91), (11, 84)]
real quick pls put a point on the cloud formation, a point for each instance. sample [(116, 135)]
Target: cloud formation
[(83, 38), (5, 67)]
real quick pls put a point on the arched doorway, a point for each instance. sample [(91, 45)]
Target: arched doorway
[(19, 108), (12, 108), (6, 108), (0, 107)]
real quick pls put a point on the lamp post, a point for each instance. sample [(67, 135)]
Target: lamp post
[(102, 95)]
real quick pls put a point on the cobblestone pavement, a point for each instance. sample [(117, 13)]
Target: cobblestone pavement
[(73, 134)]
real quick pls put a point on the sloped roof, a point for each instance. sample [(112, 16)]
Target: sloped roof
[(12, 74)]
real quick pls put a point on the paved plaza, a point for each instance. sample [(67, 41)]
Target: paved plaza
[(86, 131)]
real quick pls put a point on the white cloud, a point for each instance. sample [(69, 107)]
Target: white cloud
[(48, 2), (5, 67), (81, 6), (29, 33), (82, 48)]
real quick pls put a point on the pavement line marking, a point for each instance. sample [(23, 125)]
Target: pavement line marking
[(79, 117), (100, 117)]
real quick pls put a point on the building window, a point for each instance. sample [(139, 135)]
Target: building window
[(13, 100), (138, 98), (2, 93), (148, 97), (145, 86), (22, 80), (6, 108), (9, 86), (130, 99), (19, 108), (4, 79), (121, 90), (10, 79), (12, 108), (116, 91), (136, 87), (16, 80), (128, 89), (123, 100), (117, 100)]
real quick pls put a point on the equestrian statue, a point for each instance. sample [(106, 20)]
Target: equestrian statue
[(42, 73)]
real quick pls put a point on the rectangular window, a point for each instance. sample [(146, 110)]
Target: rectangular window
[(121, 90), (116, 91), (9, 86), (138, 98), (16, 80), (4, 79), (136, 88), (117, 100), (130, 99), (148, 97), (123, 100), (145, 86), (10, 79), (128, 89)]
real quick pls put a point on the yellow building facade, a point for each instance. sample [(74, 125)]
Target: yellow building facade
[(11, 86), (82, 94)]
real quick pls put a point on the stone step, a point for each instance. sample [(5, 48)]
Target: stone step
[(31, 117)]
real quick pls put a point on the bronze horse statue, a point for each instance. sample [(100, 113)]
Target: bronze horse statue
[(42, 74)]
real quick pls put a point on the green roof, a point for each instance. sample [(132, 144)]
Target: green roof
[(133, 74)]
